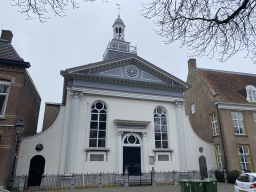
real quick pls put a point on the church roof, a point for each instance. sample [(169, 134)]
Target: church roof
[(118, 20)]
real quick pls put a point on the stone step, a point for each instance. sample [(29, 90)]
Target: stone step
[(32, 189)]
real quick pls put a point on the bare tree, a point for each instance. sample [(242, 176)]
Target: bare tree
[(207, 27), (40, 8)]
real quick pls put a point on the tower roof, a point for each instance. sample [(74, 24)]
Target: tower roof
[(118, 20)]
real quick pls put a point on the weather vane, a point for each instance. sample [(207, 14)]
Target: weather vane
[(119, 8)]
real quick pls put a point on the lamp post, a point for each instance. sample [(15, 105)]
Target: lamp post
[(19, 129)]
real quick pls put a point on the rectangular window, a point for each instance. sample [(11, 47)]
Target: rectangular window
[(238, 122), (252, 95), (244, 157), (96, 157), (4, 90), (193, 110), (163, 157), (254, 115), (214, 125), (219, 159)]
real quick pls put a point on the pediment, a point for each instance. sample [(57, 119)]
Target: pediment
[(130, 68)]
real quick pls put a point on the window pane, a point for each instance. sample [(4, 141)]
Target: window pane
[(102, 126), (103, 117), (164, 136), (157, 128), (94, 125), (164, 129), (157, 136), (93, 134), (2, 98), (94, 111), (99, 105), (158, 144), (94, 117), (159, 110), (3, 88), (101, 143), (163, 121), (246, 149), (103, 111), (102, 134), (157, 121), (234, 116), (92, 142), (165, 144)]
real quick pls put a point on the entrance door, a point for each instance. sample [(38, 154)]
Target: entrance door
[(131, 160), (36, 170), (203, 167)]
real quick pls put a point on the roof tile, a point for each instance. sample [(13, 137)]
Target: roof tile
[(8, 52), (229, 85)]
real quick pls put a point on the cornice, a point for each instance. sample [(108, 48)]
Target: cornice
[(236, 106), (125, 81), (131, 122), (126, 94)]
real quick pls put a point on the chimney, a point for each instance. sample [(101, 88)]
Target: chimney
[(192, 64), (7, 35)]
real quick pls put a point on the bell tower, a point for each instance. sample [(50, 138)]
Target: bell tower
[(118, 47), (118, 29)]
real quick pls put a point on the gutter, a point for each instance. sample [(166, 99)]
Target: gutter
[(222, 140)]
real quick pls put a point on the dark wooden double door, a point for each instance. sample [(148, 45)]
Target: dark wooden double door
[(132, 160)]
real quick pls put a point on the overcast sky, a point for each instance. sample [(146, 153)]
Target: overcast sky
[(82, 36)]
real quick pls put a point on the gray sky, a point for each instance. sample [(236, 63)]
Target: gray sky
[(82, 36)]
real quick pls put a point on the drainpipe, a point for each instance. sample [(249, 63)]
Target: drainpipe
[(222, 140)]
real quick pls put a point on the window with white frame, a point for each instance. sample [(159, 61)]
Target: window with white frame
[(214, 124), (193, 110), (4, 90), (251, 93), (219, 159), (160, 124), (254, 115), (238, 122), (244, 157), (98, 125)]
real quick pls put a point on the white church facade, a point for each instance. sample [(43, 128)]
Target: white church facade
[(120, 112)]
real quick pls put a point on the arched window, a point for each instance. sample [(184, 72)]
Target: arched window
[(160, 123), (98, 125)]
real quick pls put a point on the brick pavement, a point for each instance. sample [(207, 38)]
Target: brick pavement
[(222, 187)]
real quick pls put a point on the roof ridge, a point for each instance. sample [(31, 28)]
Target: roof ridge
[(232, 72)]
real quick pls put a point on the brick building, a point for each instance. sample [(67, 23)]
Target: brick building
[(222, 110), (18, 99)]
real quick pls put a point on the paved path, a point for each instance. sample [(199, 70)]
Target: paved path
[(222, 187)]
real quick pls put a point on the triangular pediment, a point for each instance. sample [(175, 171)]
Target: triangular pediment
[(130, 68)]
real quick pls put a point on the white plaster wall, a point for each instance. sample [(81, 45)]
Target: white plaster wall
[(193, 143), (125, 109), (52, 142), (54, 139)]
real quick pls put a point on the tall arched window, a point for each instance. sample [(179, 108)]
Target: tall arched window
[(98, 125), (160, 123)]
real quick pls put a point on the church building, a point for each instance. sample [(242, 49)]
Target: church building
[(120, 112)]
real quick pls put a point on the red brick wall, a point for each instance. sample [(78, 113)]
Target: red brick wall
[(23, 102)]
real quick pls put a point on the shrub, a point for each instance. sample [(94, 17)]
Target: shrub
[(232, 176), (219, 175)]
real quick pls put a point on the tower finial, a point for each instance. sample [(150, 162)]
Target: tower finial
[(119, 8)]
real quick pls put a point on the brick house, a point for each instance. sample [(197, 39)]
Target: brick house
[(18, 99), (222, 110)]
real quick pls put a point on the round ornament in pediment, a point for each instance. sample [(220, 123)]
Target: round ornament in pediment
[(132, 71)]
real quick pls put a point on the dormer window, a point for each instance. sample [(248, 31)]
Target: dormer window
[(251, 93)]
